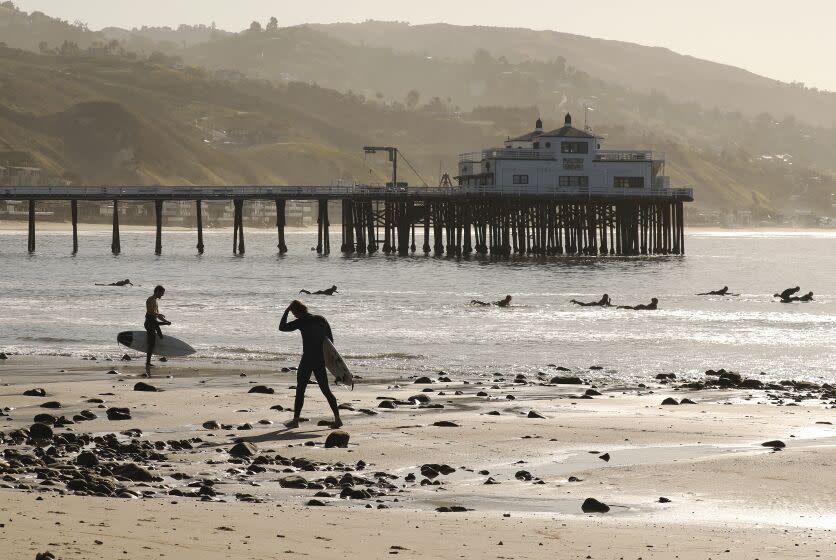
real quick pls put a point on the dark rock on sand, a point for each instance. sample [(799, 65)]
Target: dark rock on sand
[(423, 381), (337, 438), (605, 457), (669, 401), (118, 413), (591, 505), (145, 387), (423, 399), (592, 393), (40, 431), (88, 415), (445, 424), (45, 418), (262, 390), (386, 404), (687, 401), (315, 503), (126, 358), (566, 380), (3, 356), (35, 393), (51, 404), (293, 481), (212, 425), (523, 475), (134, 473), (243, 449), (775, 444), (44, 556), (574, 479), (664, 500), (535, 414), (87, 459)]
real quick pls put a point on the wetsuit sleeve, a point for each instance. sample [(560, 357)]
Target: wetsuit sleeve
[(284, 326)]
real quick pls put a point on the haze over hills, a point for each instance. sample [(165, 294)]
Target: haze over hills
[(192, 105)]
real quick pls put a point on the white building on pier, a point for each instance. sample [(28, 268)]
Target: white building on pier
[(564, 161)]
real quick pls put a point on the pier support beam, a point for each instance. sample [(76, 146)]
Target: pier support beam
[(281, 221), (238, 246), (323, 245), (31, 240), (74, 217), (199, 219), (158, 212), (115, 242)]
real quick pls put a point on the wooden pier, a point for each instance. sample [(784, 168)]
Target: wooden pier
[(452, 221)]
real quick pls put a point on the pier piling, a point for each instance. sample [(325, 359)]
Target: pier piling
[(74, 218), (115, 242), (31, 239), (281, 220), (158, 213)]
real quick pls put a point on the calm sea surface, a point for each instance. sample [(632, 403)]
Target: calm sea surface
[(412, 314)]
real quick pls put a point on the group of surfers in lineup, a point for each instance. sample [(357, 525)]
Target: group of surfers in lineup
[(315, 328)]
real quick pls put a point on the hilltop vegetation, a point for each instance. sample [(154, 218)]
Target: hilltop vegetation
[(196, 105)]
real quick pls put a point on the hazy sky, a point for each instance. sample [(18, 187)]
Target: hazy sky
[(786, 40)]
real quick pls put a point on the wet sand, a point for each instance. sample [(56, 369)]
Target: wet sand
[(730, 497)]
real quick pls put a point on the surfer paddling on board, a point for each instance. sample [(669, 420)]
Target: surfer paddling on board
[(501, 303), (153, 320), (314, 329), (327, 292), (724, 291), (652, 306), (603, 302)]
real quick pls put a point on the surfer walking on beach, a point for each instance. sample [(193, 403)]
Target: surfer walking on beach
[(153, 320), (314, 330)]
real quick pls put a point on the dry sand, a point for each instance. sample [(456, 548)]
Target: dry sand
[(730, 497)]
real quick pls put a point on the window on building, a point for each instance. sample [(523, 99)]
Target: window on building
[(574, 148), (628, 182), (572, 163), (537, 145), (574, 181), (520, 179), (548, 144)]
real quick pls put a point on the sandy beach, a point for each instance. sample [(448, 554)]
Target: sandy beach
[(523, 455)]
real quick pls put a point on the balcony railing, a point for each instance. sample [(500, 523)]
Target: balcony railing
[(624, 155), (503, 153)]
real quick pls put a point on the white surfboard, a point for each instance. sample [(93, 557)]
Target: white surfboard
[(166, 346), (336, 365)]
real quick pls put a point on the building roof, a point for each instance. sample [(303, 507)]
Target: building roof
[(528, 137), (568, 131)]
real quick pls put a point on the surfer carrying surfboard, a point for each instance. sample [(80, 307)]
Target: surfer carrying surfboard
[(153, 320), (314, 330)]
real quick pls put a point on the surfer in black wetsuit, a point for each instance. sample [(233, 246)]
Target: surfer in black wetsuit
[(153, 320), (603, 302), (314, 330), (652, 306), (501, 303), (328, 292), (805, 298), (787, 294), (724, 291)]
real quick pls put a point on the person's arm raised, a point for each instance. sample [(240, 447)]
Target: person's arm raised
[(284, 326)]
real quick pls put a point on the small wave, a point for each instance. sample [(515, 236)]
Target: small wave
[(398, 355), (50, 339)]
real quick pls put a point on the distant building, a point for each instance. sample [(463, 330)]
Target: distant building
[(565, 160)]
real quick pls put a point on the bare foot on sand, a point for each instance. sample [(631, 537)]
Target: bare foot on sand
[(292, 423), (336, 424)]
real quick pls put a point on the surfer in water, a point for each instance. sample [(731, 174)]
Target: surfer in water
[(724, 291), (653, 305), (603, 302), (153, 320), (787, 294), (120, 283), (328, 292), (314, 330), (501, 303)]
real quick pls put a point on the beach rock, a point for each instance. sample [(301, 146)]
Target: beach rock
[(337, 438), (535, 414), (566, 380), (243, 449), (293, 481), (35, 393), (86, 459), (445, 424), (687, 401), (118, 413), (163, 359), (44, 556), (51, 404), (670, 401), (262, 390), (3, 356), (596, 368), (126, 358), (40, 431), (145, 387), (386, 404), (45, 418), (523, 475), (423, 399), (491, 480), (574, 479), (423, 381), (315, 503), (493, 413), (134, 473), (212, 425), (664, 376), (592, 393), (88, 415), (775, 444), (113, 372), (605, 457), (664, 500), (751, 384), (591, 505)]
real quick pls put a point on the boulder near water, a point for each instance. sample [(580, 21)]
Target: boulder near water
[(337, 438), (591, 505)]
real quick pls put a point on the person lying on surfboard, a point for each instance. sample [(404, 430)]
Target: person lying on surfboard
[(314, 329), (652, 306), (153, 320), (328, 292), (501, 303), (603, 302)]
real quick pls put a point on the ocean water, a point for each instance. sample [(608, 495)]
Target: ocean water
[(412, 314)]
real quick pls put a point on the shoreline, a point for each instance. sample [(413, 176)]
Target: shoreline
[(706, 458)]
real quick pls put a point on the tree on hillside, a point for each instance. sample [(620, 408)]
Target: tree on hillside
[(43, 47), (69, 48), (273, 24), (255, 27), (412, 99)]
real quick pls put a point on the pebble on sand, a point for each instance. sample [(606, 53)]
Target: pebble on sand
[(35, 392), (262, 390), (145, 387), (775, 444)]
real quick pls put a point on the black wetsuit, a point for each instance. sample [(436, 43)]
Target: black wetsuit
[(152, 331), (314, 330)]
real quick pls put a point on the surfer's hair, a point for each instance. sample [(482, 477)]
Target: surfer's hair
[(159, 289), (298, 308)]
